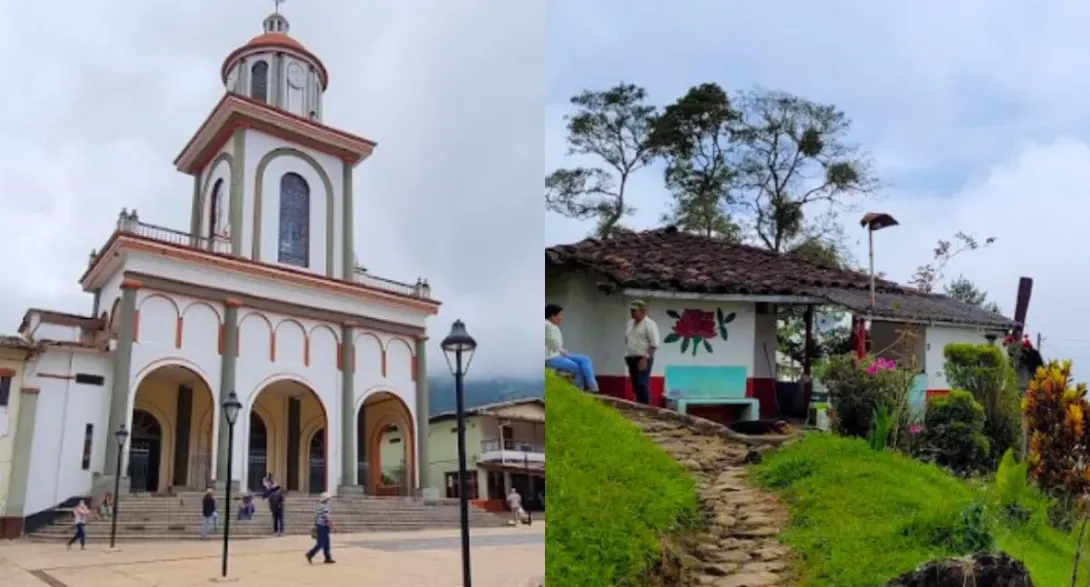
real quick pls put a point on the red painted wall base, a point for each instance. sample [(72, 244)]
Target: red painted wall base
[(619, 386), (764, 389), (931, 394)]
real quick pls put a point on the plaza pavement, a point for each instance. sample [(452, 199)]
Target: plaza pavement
[(502, 557)]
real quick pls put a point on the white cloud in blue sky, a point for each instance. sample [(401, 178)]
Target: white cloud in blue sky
[(977, 113)]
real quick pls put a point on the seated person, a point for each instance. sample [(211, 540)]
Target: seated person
[(556, 357), (246, 506)]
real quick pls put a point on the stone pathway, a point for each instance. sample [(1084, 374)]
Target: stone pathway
[(738, 548)]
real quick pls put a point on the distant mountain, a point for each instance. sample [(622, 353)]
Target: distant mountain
[(481, 391)]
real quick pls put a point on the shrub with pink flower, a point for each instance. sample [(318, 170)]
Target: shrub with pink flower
[(859, 387)]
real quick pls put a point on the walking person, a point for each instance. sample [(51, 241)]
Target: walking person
[(323, 525), (80, 514), (641, 339), (558, 358), (514, 501), (209, 513), (276, 508)]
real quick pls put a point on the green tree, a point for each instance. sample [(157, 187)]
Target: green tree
[(694, 136), (967, 291), (792, 156), (613, 126)]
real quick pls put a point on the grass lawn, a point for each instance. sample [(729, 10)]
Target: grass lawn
[(860, 517), (612, 494)]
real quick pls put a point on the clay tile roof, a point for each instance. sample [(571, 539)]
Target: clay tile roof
[(670, 259)]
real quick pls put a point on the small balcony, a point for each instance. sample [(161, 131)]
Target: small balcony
[(129, 223), (512, 452)]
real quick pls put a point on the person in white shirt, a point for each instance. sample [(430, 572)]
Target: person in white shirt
[(557, 357), (641, 339), (514, 501)]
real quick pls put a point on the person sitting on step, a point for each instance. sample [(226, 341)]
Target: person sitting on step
[(558, 358)]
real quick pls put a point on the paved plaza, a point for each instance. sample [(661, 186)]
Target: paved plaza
[(502, 557)]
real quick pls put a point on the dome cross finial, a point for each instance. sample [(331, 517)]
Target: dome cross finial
[(276, 5)]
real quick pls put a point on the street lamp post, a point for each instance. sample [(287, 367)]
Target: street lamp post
[(121, 435), (458, 348), (529, 485), (231, 406)]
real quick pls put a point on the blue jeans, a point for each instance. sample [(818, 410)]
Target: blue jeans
[(80, 535), (321, 543), (580, 365), (210, 523)]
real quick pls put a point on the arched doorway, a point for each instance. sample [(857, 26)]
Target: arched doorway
[(292, 416), (386, 445), (145, 449), (316, 460), (257, 452), (173, 422)]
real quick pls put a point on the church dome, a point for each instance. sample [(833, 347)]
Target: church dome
[(275, 38)]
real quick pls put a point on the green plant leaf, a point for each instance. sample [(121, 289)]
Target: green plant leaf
[(673, 314), (730, 318), (719, 316), (685, 345), (708, 346), (671, 338), (722, 332), (696, 344)]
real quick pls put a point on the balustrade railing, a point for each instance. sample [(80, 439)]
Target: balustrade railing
[(129, 223), (510, 445)]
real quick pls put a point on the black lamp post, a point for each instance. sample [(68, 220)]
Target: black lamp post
[(121, 435), (231, 406), (458, 348)]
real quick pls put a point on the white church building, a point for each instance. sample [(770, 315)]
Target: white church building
[(261, 295)]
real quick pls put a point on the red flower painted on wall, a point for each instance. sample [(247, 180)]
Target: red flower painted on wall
[(696, 328)]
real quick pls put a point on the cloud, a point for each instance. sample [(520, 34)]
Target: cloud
[(974, 111), (107, 93)]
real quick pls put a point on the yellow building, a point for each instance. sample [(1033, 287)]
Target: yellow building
[(14, 352), (505, 447)]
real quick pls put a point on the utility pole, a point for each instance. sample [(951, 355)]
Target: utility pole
[(1039, 342)]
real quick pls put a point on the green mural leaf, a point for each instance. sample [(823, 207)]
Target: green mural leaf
[(719, 315), (685, 345), (708, 346), (672, 337), (723, 332), (730, 318), (696, 344), (673, 314)]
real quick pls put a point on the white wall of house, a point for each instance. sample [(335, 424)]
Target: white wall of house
[(937, 337)]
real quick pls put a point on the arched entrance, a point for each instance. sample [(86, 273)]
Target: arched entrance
[(145, 448), (386, 445), (316, 460), (288, 418), (173, 418), (257, 454)]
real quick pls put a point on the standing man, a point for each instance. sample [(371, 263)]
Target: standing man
[(641, 340)]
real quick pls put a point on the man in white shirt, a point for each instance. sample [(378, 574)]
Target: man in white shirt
[(557, 357), (641, 339)]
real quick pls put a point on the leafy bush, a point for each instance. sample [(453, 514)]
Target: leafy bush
[(969, 531), (883, 426), (613, 494), (986, 372), (859, 387), (954, 435), (1056, 412)]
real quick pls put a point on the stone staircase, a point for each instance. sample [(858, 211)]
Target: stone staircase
[(147, 517)]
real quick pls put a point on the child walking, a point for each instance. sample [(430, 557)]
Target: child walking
[(211, 517), (80, 513)]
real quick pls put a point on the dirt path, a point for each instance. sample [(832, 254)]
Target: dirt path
[(738, 548)]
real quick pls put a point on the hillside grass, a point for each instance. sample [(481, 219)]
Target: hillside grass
[(613, 494), (860, 517)]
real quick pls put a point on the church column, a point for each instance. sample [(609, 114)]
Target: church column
[(228, 359), (348, 412), (238, 178), (195, 212), (122, 365), (423, 463), (349, 253)]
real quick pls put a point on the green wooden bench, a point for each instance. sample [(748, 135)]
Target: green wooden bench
[(706, 385)]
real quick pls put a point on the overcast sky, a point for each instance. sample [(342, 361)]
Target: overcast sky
[(103, 94), (977, 113)]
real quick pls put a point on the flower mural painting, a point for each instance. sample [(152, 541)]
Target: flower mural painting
[(695, 329)]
